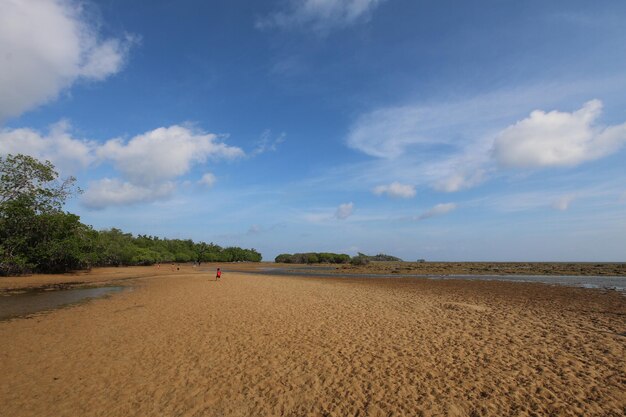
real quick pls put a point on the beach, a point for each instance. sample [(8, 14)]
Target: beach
[(178, 343)]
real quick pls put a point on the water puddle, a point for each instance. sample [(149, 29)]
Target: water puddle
[(24, 304)]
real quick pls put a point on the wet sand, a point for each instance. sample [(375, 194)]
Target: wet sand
[(181, 344)]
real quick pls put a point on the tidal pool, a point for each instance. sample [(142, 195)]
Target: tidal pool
[(30, 302)]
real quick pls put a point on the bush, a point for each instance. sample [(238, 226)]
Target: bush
[(312, 258), (359, 260)]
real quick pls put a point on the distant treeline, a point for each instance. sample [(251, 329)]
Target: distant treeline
[(36, 235), (117, 248), (313, 258), (381, 257), (332, 258)]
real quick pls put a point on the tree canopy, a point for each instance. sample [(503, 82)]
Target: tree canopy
[(34, 183)]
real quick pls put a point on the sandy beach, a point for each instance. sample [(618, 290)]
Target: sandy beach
[(178, 343)]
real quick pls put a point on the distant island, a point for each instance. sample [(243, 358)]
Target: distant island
[(333, 258), (381, 257)]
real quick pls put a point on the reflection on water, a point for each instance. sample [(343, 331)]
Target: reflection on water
[(17, 305)]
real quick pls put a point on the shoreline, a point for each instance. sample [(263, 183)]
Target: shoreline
[(444, 270)]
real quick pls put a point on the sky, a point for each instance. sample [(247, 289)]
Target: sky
[(491, 130)]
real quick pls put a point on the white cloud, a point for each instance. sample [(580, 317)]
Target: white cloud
[(344, 211), (465, 169), (460, 180), (437, 210), (445, 127), (320, 15), (148, 163), (395, 189), (208, 180), (326, 215), (563, 202), (164, 153), (444, 145), (458, 145), (47, 45), (387, 132), (68, 154), (558, 139), (268, 144), (106, 58), (110, 192), (151, 161)]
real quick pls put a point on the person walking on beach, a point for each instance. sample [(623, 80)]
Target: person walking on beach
[(218, 274)]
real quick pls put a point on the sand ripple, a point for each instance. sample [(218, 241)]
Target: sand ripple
[(181, 345)]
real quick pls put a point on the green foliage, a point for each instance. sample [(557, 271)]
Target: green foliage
[(34, 183), (63, 243), (31, 198), (312, 257), (359, 260), (381, 257), (37, 236), (117, 248), (283, 258), (331, 258)]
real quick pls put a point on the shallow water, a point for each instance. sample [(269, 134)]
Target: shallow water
[(24, 304), (602, 282)]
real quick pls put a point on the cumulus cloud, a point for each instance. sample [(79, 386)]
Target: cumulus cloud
[(67, 153), (444, 145), (437, 210), (47, 45), (320, 15), (395, 189), (459, 145), (148, 164), (164, 153), (208, 180), (562, 203), (344, 211), (558, 139), (111, 192)]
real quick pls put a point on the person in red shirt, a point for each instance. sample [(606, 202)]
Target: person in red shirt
[(218, 275)]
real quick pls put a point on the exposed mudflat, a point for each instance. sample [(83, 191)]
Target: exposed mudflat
[(488, 268)]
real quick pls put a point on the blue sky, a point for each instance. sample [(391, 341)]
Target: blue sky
[(444, 130)]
